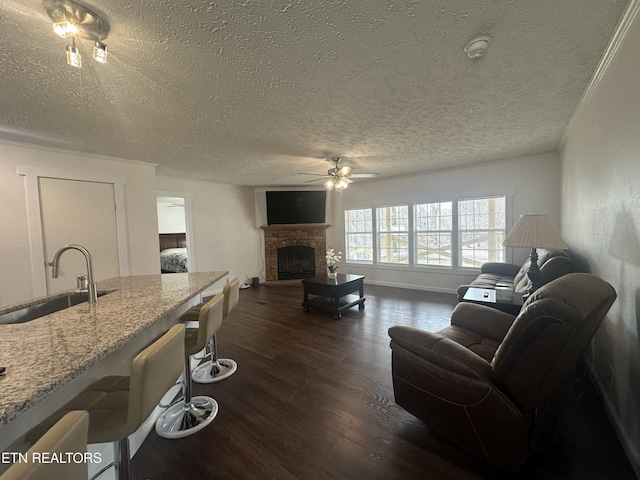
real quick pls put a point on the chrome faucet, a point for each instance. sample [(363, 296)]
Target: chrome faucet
[(55, 263)]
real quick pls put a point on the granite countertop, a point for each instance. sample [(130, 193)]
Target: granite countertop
[(46, 353)]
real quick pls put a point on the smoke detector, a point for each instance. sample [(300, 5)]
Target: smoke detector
[(477, 47)]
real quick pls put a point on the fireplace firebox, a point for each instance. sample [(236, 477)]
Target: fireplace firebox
[(296, 261)]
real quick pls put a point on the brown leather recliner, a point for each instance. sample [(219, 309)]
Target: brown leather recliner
[(495, 384)]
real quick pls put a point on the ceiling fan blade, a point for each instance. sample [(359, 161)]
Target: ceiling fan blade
[(364, 175), (316, 180), (344, 171), (347, 179), (314, 174)]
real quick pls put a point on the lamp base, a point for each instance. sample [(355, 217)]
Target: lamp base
[(533, 272)]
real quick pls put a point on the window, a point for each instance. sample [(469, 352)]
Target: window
[(359, 235), (433, 223), (481, 230), (393, 234), (453, 234)]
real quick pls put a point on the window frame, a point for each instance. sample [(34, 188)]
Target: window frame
[(460, 232), (347, 233), (416, 231), (456, 252), (407, 232)]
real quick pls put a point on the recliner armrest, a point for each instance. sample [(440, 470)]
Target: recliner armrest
[(487, 321), (441, 351), (500, 268)]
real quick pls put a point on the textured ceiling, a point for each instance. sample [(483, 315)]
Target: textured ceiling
[(254, 92)]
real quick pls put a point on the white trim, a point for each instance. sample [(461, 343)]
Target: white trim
[(617, 39), (408, 286), (121, 228), (188, 202), (75, 153), (627, 444), (34, 222)]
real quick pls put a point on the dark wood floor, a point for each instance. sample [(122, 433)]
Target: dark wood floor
[(312, 399)]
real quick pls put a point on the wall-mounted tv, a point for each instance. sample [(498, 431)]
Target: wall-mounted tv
[(288, 207)]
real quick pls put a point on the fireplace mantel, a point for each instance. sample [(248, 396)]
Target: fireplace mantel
[(296, 226), (308, 234)]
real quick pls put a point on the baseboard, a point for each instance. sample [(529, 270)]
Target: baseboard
[(627, 445), (409, 286)]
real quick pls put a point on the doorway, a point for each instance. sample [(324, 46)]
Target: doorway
[(176, 252)]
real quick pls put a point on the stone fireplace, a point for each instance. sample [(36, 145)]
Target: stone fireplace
[(311, 237)]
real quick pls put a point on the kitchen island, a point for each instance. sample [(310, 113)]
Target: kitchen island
[(50, 359)]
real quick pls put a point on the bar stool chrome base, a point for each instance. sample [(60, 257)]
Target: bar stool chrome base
[(181, 420), (214, 371)]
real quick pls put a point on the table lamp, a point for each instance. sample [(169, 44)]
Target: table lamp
[(534, 231)]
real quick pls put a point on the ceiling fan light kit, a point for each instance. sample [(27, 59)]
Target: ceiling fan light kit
[(338, 178)]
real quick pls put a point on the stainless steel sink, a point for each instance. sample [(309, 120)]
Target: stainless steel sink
[(45, 307)]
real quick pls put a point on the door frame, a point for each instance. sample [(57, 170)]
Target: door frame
[(188, 223), (39, 264)]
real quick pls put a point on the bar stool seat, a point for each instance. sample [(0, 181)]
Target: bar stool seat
[(195, 412), (218, 369), (119, 405), (69, 434)]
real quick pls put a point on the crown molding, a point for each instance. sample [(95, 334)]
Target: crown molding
[(616, 41)]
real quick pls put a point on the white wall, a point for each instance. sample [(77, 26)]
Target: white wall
[(529, 183), (16, 281), (171, 218), (223, 233), (601, 220)]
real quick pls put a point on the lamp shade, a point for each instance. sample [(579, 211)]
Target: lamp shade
[(534, 231)]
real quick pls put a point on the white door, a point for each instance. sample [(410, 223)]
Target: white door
[(82, 213)]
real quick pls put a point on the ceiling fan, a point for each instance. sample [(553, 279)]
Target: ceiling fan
[(339, 177)]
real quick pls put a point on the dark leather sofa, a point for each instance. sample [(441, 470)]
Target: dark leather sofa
[(552, 263), (494, 384)]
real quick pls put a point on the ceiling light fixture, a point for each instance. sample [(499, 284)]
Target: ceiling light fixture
[(100, 52), (338, 182), (477, 47), (73, 55), (65, 29), (73, 19)]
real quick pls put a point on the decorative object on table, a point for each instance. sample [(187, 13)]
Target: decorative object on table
[(534, 231), (332, 260)]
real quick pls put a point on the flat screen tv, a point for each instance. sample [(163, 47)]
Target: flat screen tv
[(288, 207)]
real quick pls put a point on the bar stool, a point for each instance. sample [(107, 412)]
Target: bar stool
[(69, 434), (217, 369), (118, 405), (193, 413)]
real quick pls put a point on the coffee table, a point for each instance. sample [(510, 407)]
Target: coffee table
[(334, 295)]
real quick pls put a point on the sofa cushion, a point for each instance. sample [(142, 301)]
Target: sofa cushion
[(521, 281), (491, 280)]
